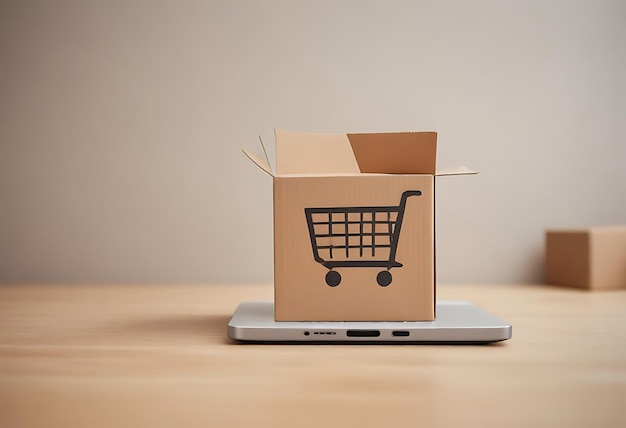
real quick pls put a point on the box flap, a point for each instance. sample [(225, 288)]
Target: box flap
[(395, 152), (302, 153), (262, 161), (459, 170), (372, 153)]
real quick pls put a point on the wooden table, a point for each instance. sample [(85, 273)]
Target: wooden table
[(156, 355)]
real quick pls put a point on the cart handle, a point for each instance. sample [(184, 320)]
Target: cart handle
[(396, 234), (407, 194)]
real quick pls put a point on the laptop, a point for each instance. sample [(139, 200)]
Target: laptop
[(456, 322)]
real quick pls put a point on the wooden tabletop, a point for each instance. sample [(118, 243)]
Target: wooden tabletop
[(157, 355)]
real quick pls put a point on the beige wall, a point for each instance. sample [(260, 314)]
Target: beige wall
[(121, 124)]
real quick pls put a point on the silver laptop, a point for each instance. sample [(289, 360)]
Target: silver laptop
[(456, 322)]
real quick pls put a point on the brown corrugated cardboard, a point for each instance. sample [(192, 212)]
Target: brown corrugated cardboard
[(395, 153), (592, 258), (354, 226)]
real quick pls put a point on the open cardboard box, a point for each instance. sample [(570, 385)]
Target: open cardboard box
[(354, 225)]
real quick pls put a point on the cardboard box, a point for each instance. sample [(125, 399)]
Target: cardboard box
[(354, 226), (592, 258)]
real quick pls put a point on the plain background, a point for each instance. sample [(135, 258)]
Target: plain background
[(121, 124)]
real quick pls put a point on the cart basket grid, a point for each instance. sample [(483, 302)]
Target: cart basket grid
[(335, 231)]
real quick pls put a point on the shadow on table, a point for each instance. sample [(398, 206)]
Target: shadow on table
[(175, 329), (203, 329)]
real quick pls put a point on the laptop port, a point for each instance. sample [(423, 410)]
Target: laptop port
[(363, 333)]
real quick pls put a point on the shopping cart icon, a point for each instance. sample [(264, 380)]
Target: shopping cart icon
[(357, 237)]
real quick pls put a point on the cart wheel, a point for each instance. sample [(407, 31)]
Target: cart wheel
[(383, 278), (333, 278)]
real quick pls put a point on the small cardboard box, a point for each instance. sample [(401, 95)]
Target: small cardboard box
[(592, 258), (354, 226)]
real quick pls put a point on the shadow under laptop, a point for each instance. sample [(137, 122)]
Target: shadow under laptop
[(196, 329), (362, 343)]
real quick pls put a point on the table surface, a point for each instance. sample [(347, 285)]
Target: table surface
[(158, 355)]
